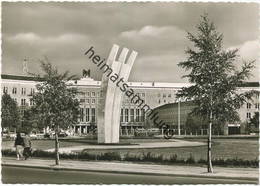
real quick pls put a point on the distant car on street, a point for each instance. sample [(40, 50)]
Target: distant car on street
[(33, 136), (52, 135), (4, 135), (62, 134), (140, 132), (40, 135), (11, 135), (147, 132), (47, 135)]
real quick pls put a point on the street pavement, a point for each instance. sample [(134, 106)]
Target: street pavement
[(21, 175), (135, 168)]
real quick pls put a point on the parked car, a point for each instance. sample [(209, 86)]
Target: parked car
[(52, 135), (140, 132), (4, 135), (147, 132), (11, 135), (40, 135), (62, 134), (33, 136), (153, 131), (47, 135)]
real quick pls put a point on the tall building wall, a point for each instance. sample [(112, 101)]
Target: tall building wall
[(154, 95)]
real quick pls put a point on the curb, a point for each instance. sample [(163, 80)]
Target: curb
[(57, 168)]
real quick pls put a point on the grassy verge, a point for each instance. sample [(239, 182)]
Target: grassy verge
[(145, 157)]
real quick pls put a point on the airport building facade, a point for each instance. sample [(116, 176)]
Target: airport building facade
[(154, 94)]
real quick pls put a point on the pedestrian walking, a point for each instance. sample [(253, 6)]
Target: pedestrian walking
[(19, 145), (27, 146)]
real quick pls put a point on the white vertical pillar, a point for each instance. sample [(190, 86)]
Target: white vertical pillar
[(124, 73), (101, 123), (110, 103)]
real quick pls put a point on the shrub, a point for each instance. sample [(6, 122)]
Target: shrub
[(145, 157), (86, 156), (149, 157), (202, 161), (129, 157), (109, 156), (173, 158), (181, 161), (69, 156), (8, 152), (235, 162), (44, 154), (190, 160)]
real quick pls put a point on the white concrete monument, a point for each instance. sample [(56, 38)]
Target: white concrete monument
[(108, 121)]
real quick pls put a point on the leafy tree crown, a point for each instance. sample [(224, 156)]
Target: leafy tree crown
[(55, 102), (213, 75)]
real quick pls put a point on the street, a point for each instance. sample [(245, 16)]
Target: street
[(12, 175)]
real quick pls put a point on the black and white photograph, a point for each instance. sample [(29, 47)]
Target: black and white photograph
[(148, 93)]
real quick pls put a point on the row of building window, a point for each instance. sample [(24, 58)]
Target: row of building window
[(14, 91), (94, 94), (23, 102), (163, 101), (93, 101), (249, 105), (140, 94), (164, 95), (23, 92), (127, 115), (248, 115), (91, 94), (87, 115), (132, 115)]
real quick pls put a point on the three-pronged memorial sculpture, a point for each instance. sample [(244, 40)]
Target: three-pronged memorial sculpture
[(108, 120)]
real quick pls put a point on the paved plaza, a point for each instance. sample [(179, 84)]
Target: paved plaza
[(141, 145)]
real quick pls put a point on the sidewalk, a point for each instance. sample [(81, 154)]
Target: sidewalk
[(134, 168)]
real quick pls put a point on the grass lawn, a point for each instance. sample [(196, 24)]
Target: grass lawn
[(44, 144), (246, 149)]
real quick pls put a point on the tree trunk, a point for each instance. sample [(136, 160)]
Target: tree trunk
[(210, 168), (57, 157)]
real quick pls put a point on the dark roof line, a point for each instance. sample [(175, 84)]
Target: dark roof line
[(250, 84), (167, 105), (25, 78), (31, 78)]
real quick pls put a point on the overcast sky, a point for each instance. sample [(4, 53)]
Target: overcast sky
[(157, 31)]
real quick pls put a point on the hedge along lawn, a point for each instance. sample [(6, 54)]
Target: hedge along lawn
[(246, 149)]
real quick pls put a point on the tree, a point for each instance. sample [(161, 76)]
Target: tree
[(194, 123), (30, 121), (55, 103), (254, 122), (10, 113), (214, 77)]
